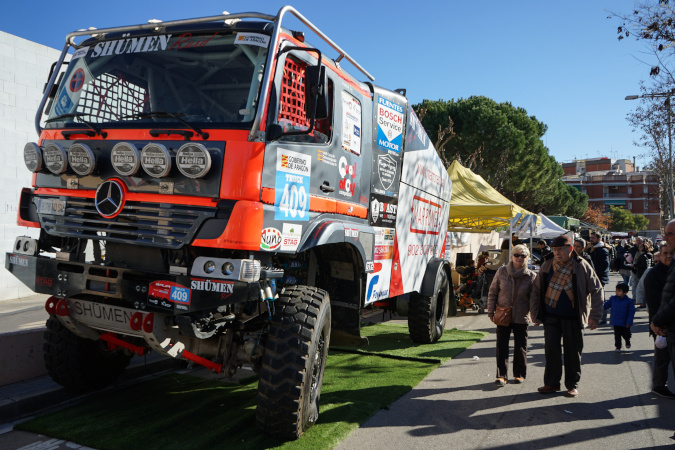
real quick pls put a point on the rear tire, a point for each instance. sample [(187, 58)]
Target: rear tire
[(427, 314), (80, 364), (293, 365)]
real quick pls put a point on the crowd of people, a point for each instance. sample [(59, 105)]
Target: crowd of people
[(566, 295)]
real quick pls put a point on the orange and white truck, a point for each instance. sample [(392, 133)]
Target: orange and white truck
[(220, 190)]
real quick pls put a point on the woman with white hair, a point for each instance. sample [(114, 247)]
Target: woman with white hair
[(509, 308)]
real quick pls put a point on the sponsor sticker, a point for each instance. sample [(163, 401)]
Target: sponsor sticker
[(389, 125), (18, 260), (223, 287), (383, 211), (131, 45), (351, 124), (386, 170), (270, 239), (261, 40), (292, 185), (347, 177), (290, 236), (351, 233), (426, 216), (163, 291), (79, 53)]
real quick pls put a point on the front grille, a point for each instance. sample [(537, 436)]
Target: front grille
[(162, 225)]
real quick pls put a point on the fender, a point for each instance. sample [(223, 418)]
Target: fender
[(331, 231)]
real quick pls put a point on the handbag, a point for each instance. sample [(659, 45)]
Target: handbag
[(502, 315)]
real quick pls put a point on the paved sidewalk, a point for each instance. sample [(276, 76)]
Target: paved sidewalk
[(459, 406)]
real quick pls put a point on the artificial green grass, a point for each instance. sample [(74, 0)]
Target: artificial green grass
[(181, 411)]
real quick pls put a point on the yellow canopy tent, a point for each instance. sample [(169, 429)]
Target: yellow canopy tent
[(477, 207)]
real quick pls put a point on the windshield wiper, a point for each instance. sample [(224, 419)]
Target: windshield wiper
[(168, 114), (77, 116)]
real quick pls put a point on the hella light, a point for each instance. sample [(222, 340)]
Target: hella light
[(250, 270), (193, 160), (227, 268), (156, 160), (32, 156), (81, 159), (55, 158), (125, 159), (209, 266)]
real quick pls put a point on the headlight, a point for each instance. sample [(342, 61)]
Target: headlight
[(209, 266), (32, 156), (193, 160), (228, 268), (81, 159), (125, 159), (55, 158), (156, 160)]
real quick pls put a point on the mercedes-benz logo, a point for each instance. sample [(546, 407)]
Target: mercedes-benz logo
[(109, 198)]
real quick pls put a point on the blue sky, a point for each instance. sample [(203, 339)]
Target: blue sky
[(561, 61)]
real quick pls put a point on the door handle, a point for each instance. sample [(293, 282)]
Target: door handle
[(325, 187)]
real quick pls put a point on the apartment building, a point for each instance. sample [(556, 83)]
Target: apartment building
[(617, 182)]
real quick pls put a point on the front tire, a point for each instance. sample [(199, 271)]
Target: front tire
[(427, 314), (293, 365), (80, 364)]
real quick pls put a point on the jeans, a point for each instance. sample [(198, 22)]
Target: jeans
[(519, 350), (571, 334)]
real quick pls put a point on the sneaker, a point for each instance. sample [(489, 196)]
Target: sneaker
[(519, 380), (663, 392), (627, 344), (572, 392), (618, 349), (500, 382)]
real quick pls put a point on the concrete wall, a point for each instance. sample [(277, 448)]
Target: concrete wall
[(24, 67)]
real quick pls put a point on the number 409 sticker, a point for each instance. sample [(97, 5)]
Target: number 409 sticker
[(292, 186)]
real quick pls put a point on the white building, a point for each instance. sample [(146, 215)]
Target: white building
[(24, 67)]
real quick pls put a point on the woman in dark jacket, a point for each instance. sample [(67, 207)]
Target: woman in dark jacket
[(511, 287)]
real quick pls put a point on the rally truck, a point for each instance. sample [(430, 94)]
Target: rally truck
[(219, 190)]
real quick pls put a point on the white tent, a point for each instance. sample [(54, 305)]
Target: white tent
[(546, 230)]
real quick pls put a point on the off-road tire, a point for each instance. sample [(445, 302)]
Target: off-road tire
[(294, 361), (427, 314), (80, 364)]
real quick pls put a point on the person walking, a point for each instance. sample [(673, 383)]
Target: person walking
[(579, 247), (623, 313), (654, 281), (663, 322), (600, 256), (643, 261), (566, 297), (510, 289)]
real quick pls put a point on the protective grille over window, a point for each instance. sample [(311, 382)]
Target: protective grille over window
[(110, 98), (292, 105)]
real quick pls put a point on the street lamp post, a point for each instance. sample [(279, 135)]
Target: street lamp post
[(669, 175)]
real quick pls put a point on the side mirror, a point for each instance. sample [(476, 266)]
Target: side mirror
[(316, 92)]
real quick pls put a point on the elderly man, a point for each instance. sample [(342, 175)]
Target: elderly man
[(654, 279), (663, 322), (567, 296)]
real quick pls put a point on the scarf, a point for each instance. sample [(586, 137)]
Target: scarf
[(561, 281)]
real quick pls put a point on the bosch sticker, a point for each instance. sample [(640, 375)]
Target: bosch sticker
[(168, 291), (389, 125), (292, 185), (270, 239)]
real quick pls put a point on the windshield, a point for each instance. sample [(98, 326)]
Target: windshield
[(208, 79)]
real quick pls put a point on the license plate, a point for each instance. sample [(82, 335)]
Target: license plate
[(52, 206)]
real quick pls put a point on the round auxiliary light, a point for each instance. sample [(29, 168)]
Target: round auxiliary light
[(125, 159), (81, 159), (32, 156), (227, 268), (156, 160), (55, 158), (193, 160), (209, 266)]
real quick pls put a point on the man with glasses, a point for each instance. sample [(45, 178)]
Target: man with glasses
[(567, 296), (663, 322), (654, 281)]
